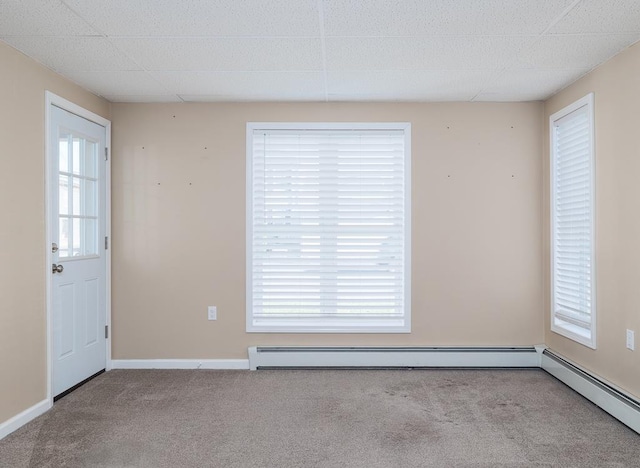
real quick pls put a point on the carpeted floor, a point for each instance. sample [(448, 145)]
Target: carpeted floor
[(323, 418)]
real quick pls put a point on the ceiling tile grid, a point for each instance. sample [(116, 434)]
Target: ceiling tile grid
[(516, 82), (440, 17), (40, 18), (601, 16), (319, 50), (237, 82), (422, 85), (573, 51), (145, 98), (293, 96), (73, 53), (223, 54), (200, 18), (119, 82), (423, 53)]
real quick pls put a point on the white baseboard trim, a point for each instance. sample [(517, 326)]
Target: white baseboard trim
[(240, 364), (389, 357), (614, 401), (23, 418)]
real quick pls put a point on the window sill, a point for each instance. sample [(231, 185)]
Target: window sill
[(573, 332), (282, 326)]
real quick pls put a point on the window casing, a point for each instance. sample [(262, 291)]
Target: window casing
[(328, 227), (573, 286)]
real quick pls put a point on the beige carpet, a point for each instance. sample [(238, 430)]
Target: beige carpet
[(323, 418)]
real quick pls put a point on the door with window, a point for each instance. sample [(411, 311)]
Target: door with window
[(78, 199)]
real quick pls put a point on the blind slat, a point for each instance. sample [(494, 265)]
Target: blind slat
[(572, 218), (328, 224)]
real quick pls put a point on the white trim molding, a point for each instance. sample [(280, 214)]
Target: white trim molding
[(52, 99), (568, 316), (391, 357), (272, 254), (23, 418), (611, 399), (238, 364), (619, 404)]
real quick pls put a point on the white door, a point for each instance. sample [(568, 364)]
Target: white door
[(78, 196)]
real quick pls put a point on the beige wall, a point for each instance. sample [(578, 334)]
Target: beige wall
[(179, 225), (22, 229), (480, 224), (616, 85)]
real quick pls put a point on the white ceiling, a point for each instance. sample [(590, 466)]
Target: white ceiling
[(321, 50)]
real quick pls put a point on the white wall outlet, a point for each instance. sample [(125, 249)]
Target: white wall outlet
[(212, 313), (631, 340)]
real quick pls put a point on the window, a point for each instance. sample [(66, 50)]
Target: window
[(573, 312), (78, 196), (328, 228)]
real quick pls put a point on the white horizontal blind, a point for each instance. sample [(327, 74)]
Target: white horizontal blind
[(573, 221), (328, 218)]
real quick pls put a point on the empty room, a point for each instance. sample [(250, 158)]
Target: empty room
[(319, 233)]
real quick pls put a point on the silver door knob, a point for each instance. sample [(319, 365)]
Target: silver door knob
[(54, 247), (57, 268)]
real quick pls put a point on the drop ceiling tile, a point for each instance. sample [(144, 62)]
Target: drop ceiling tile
[(530, 84), (259, 97), (506, 97), (433, 50), (201, 17), (422, 53), (598, 16), (422, 83), (574, 51), (144, 98), (73, 53), (237, 83), (428, 17), (38, 18), (228, 54), (118, 82), (401, 97)]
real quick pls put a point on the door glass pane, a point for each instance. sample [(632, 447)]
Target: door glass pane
[(63, 195), (76, 239), (89, 202), (90, 159), (63, 152), (63, 238), (90, 228), (75, 155), (76, 195)]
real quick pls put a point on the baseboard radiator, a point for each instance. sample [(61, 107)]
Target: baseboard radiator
[(614, 401), (265, 357)]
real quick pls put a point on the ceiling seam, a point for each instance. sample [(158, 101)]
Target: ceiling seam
[(105, 36), (510, 70), (560, 17), (63, 3), (554, 21), (323, 49), (51, 67), (591, 69), (359, 36)]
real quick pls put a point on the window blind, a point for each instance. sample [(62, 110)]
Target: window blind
[(573, 220), (328, 217)]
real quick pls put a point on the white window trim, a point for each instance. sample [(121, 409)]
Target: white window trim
[(358, 328), (559, 326)]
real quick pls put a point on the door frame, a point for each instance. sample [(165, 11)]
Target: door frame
[(52, 99)]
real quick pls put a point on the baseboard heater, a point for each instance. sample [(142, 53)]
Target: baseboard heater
[(272, 357), (614, 401)]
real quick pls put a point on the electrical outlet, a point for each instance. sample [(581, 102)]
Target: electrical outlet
[(212, 313), (631, 340)]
